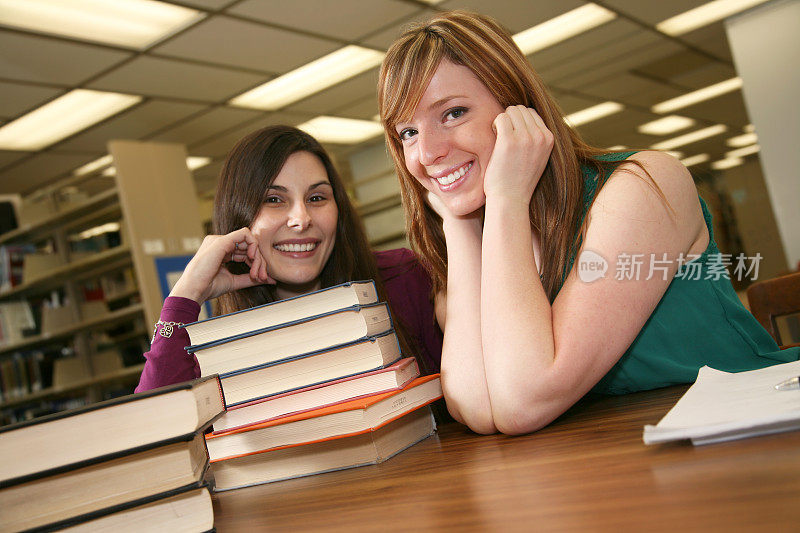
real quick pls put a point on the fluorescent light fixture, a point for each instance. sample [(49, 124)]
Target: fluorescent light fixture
[(703, 15), (674, 153), (310, 78), (707, 93), (689, 138), (729, 162), (617, 147), (749, 128), (593, 113), (562, 27), (192, 163), (99, 230), (742, 152), (666, 125), (695, 160), (341, 130), (129, 23), (91, 166), (742, 140), (195, 162), (62, 117)]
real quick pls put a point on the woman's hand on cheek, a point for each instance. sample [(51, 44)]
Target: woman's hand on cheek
[(521, 153), (206, 276)]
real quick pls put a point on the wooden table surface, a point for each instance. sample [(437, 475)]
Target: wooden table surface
[(587, 471)]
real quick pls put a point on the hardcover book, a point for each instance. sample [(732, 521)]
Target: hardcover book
[(290, 310), (98, 486), (393, 377), (370, 353), (367, 447), (289, 340), (101, 431), (348, 418)]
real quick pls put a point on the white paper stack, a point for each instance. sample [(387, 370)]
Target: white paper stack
[(723, 406)]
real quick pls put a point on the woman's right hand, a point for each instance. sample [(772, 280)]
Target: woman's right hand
[(206, 277)]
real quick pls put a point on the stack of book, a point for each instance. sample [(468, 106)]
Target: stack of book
[(312, 384), (135, 463)]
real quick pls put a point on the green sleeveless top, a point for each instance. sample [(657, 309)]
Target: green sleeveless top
[(699, 321)]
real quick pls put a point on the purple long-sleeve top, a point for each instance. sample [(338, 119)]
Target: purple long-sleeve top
[(408, 289)]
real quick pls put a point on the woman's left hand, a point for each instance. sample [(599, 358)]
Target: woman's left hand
[(521, 153)]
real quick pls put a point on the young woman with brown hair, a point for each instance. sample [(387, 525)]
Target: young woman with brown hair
[(284, 226), (506, 205)]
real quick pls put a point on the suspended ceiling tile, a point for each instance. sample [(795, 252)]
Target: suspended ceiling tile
[(343, 19), (38, 171), (631, 89), (136, 124), (221, 144), (48, 60), (384, 38), (208, 124), (712, 39), (603, 132), (228, 41), (18, 99), (177, 79), (8, 157), (513, 14), (653, 12), (340, 95), (365, 109), (706, 75), (726, 109), (673, 65), (571, 103)]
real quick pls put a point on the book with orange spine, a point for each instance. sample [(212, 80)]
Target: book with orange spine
[(344, 419)]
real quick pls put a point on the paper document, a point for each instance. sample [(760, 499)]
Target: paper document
[(724, 406)]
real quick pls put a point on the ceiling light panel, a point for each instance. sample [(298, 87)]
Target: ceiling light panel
[(729, 162), (128, 23), (92, 166), (666, 125), (310, 78), (64, 116), (562, 27), (337, 130), (742, 152), (593, 113), (691, 137), (742, 140), (703, 15), (695, 160), (706, 93)]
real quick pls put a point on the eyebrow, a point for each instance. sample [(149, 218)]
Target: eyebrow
[(312, 186), (434, 105)]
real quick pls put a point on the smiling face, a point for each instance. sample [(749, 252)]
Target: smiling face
[(449, 140), (296, 225)]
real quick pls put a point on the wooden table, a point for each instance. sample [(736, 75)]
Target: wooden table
[(587, 471)]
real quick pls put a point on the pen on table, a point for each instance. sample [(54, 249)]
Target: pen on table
[(789, 384)]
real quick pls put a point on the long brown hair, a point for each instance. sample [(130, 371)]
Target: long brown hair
[(249, 170), (482, 45)]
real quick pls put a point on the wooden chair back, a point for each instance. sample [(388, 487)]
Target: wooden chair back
[(773, 298)]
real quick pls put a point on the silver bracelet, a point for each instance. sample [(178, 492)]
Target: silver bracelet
[(167, 329)]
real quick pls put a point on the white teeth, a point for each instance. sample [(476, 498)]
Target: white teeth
[(453, 176), (295, 247)]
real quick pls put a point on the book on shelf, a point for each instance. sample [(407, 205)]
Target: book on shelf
[(78, 492), (722, 406), (367, 447), (290, 310), (188, 510), (292, 339), (347, 418), (104, 430), (333, 392), (330, 363)]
